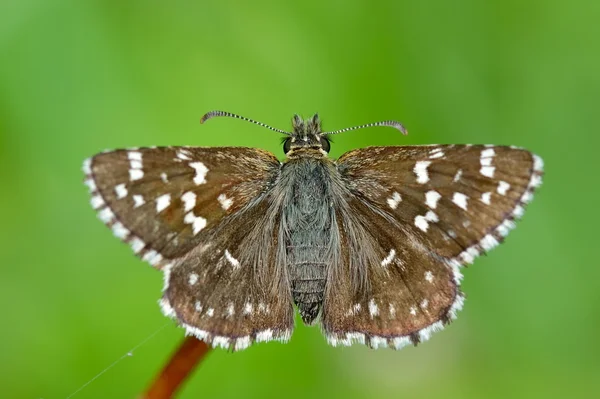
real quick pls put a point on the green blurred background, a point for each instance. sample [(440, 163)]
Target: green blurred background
[(77, 77)]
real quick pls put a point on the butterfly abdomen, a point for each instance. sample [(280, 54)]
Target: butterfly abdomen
[(307, 221)]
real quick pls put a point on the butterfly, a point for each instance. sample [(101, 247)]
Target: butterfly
[(370, 245)]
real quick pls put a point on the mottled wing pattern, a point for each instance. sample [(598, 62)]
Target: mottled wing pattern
[(189, 211), (404, 294), (458, 200), (163, 201), (231, 292), (420, 213)]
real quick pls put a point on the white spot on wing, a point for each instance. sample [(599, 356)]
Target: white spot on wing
[(264, 336), (201, 171), (486, 198), (527, 196), (137, 244), (106, 215), (394, 200), (189, 201), (488, 153), (90, 184), (431, 198), (87, 166), (197, 222), (430, 216), (233, 261), (163, 202), (488, 242), (429, 276), (181, 154), (152, 257), (224, 201), (487, 171), (134, 156), (538, 163), (248, 308), (536, 181), (120, 231), (436, 153), (222, 342), (460, 200), (421, 223), (518, 212), (503, 187), (469, 255), (97, 202), (135, 163), (242, 343), (164, 178), (193, 279), (388, 259), (138, 201), (166, 308), (505, 227), (421, 171), (373, 309), (413, 311), (135, 174), (457, 176), (121, 191)]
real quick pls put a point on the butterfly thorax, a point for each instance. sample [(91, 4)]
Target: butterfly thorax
[(306, 221)]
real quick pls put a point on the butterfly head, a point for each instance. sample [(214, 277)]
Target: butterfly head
[(306, 135)]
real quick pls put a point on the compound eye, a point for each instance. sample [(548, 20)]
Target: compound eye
[(287, 144), (325, 144)]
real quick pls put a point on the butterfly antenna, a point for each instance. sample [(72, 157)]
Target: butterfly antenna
[(394, 124), (213, 114)]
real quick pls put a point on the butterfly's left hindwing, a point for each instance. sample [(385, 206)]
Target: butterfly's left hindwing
[(231, 291)]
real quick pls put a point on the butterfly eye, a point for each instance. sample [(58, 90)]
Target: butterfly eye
[(325, 144), (287, 144)]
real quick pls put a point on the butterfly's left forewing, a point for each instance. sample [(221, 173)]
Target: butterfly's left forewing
[(163, 201)]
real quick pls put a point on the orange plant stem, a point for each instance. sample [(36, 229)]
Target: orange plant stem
[(182, 363)]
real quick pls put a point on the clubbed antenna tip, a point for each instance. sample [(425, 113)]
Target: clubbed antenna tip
[(394, 124)]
